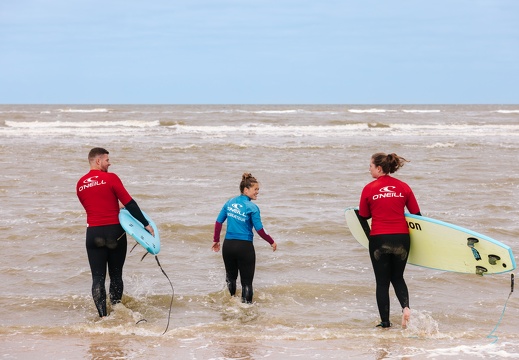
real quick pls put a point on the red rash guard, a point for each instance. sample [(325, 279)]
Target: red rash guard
[(99, 192), (384, 200)]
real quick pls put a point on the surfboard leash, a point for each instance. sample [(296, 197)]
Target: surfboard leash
[(172, 292), (495, 337)]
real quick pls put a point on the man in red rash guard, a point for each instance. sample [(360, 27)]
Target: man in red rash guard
[(384, 200), (100, 193)]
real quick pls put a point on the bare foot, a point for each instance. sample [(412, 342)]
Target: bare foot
[(406, 314)]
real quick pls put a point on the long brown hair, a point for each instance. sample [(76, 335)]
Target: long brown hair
[(388, 162)]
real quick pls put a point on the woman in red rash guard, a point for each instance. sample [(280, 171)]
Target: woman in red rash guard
[(100, 193), (384, 200)]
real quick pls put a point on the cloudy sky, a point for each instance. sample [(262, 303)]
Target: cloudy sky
[(259, 51)]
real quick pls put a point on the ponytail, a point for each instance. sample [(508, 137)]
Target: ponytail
[(389, 163), (247, 180)]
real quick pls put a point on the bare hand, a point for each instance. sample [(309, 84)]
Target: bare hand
[(274, 246), (216, 246), (150, 230)]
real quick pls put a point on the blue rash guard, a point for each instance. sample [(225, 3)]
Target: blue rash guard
[(242, 215)]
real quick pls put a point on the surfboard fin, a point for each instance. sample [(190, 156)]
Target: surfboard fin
[(493, 259), (470, 243), (480, 270)]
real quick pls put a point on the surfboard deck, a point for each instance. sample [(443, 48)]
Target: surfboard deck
[(135, 229), (440, 245)]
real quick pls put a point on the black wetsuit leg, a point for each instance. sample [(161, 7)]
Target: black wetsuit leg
[(231, 265), (388, 255), (106, 246), (239, 256)]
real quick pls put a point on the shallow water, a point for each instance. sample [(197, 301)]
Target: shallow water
[(314, 297)]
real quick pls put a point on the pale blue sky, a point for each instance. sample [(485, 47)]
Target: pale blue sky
[(259, 52)]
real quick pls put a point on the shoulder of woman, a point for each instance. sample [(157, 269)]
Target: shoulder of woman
[(252, 206), (403, 183)]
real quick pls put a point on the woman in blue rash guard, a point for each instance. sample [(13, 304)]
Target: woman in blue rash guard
[(237, 250)]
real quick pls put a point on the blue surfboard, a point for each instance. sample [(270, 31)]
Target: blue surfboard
[(135, 228)]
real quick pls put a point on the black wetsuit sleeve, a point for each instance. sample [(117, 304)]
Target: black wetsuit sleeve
[(136, 212), (364, 223)]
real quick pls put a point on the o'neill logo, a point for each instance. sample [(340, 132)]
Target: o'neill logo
[(91, 182), (235, 212), (387, 189), (386, 192), (236, 209)]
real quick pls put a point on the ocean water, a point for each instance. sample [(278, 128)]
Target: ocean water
[(314, 297)]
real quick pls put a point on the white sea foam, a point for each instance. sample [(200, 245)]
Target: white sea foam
[(271, 130), (277, 111), (16, 128), (420, 111), (79, 124), (471, 351), (361, 111), (508, 111), (99, 110), (249, 111), (352, 129), (441, 145)]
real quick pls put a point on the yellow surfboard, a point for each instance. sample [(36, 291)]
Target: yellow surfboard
[(439, 245)]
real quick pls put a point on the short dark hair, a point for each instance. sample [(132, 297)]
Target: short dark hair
[(95, 152)]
